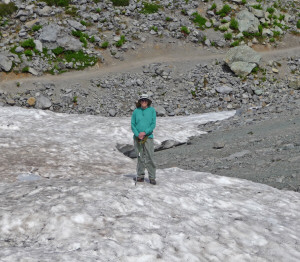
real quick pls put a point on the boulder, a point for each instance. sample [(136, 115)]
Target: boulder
[(43, 102), (69, 43), (5, 63), (31, 101), (76, 25), (224, 89), (160, 111), (50, 33), (38, 45), (247, 22), (242, 59)]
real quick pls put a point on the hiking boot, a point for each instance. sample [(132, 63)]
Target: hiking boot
[(139, 179), (153, 181)]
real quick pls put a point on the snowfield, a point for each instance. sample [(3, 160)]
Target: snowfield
[(67, 194)]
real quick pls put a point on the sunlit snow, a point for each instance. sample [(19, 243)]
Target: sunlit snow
[(67, 194)]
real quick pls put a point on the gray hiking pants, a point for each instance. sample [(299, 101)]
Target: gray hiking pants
[(145, 158)]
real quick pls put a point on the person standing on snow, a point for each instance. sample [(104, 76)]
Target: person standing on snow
[(143, 122)]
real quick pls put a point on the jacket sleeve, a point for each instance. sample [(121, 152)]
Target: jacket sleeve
[(133, 124), (150, 129)]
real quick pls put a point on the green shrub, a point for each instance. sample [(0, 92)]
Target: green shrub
[(224, 11), (271, 10), (83, 40), (57, 2), (272, 40), (235, 43), (276, 33), (185, 30), (29, 43), (255, 70), (120, 2), (298, 24), (154, 28), (244, 2), (228, 36), (98, 10), (7, 9), (281, 17), (35, 28), (234, 24), (169, 19), (76, 33), (259, 7), (57, 51), (28, 52), (25, 69), (199, 20), (214, 6), (260, 29), (223, 21), (149, 8), (105, 44), (92, 39), (83, 22), (121, 41)]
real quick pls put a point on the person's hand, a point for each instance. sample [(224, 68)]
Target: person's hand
[(142, 135)]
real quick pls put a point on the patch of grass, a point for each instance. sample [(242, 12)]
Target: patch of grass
[(57, 51), (28, 52), (271, 10), (120, 2), (154, 28), (169, 19), (98, 10), (298, 24), (79, 56), (213, 6), (235, 43), (7, 9), (35, 28), (244, 2), (121, 41), (272, 40), (259, 7), (223, 21), (255, 70), (150, 8), (234, 24), (224, 11), (185, 30), (72, 11), (199, 20), (29, 43), (25, 69), (228, 36), (183, 12), (276, 33), (104, 45), (281, 17), (92, 39), (63, 3)]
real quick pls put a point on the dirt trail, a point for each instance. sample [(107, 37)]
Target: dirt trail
[(181, 56)]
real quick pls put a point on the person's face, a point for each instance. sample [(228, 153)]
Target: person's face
[(144, 103)]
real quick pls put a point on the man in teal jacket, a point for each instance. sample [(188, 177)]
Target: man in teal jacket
[(143, 122)]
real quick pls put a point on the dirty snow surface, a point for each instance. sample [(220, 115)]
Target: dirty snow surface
[(66, 194)]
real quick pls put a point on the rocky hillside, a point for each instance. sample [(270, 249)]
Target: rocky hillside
[(59, 35)]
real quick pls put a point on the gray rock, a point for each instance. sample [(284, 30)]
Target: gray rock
[(160, 111), (247, 22), (43, 102), (238, 155), (50, 33), (45, 11), (218, 145), (5, 63), (33, 71), (242, 59), (224, 89), (38, 45), (69, 43), (112, 112), (294, 83), (19, 49), (76, 25)]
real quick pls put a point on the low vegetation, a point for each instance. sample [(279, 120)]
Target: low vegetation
[(7, 9), (62, 3), (150, 8), (199, 20), (120, 2)]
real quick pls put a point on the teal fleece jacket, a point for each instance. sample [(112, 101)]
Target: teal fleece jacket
[(143, 120)]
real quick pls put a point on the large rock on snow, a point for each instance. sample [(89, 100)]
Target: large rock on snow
[(247, 22), (242, 59), (5, 63)]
